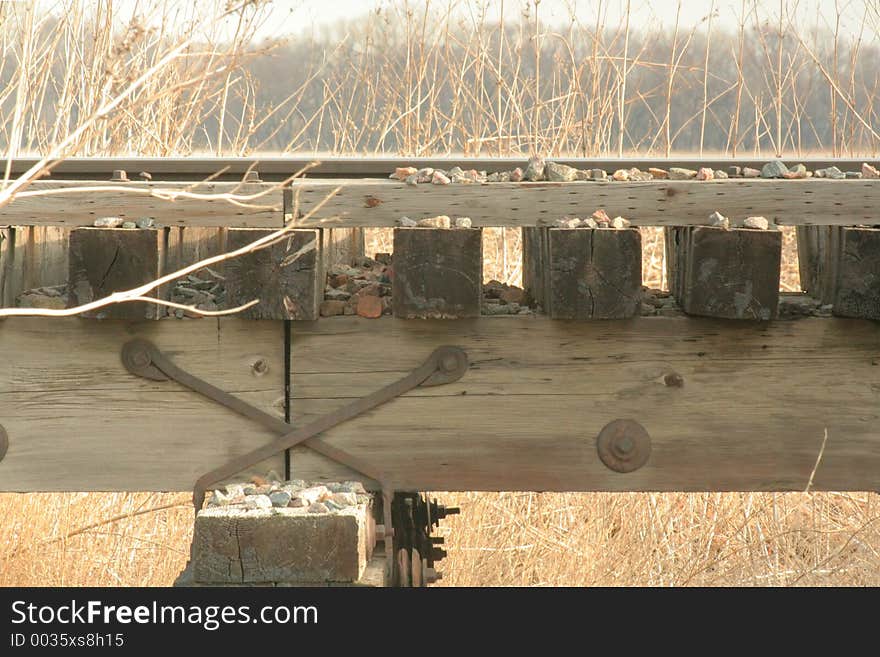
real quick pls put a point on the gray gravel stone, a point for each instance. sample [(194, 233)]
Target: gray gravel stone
[(719, 220), (257, 502), (145, 222), (774, 169), (679, 173), (759, 223), (279, 498), (109, 222), (535, 169), (406, 222), (560, 172), (318, 507)]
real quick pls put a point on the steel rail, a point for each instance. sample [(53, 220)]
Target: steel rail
[(274, 168)]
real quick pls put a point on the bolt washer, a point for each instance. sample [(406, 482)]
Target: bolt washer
[(624, 445)]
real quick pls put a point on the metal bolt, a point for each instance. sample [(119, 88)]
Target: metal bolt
[(449, 363), (625, 445), (119, 175), (141, 358), (260, 367)]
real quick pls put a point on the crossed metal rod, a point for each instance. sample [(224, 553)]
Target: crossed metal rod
[(445, 365)]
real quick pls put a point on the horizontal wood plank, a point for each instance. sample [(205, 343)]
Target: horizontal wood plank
[(727, 406), (79, 203), (660, 203), (77, 420)]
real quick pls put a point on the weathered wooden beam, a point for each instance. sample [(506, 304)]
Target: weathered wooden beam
[(438, 273), (107, 260), (79, 203), (728, 406), (77, 420), (368, 203), (726, 273), (285, 277), (656, 203), (595, 273)]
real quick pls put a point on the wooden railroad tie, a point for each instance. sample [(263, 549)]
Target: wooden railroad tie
[(594, 273), (841, 266), (438, 273), (107, 260), (725, 273), (285, 276)]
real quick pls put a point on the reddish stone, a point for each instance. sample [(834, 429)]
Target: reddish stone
[(338, 280), (369, 306)]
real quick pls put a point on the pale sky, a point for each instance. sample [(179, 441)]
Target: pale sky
[(296, 16)]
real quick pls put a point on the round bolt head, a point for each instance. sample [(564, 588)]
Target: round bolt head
[(623, 445), (137, 360)]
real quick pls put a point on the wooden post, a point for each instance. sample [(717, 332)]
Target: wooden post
[(31, 257), (438, 273), (535, 266), (107, 260), (284, 276), (595, 273), (726, 273)]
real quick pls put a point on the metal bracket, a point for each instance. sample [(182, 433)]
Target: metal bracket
[(445, 365), (4, 442), (142, 358)]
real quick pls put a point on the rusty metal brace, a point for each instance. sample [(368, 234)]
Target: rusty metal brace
[(445, 365)]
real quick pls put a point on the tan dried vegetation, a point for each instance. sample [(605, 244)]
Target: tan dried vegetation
[(416, 79)]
